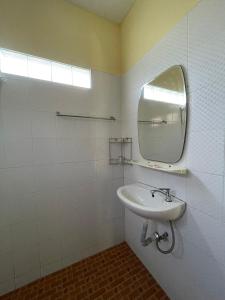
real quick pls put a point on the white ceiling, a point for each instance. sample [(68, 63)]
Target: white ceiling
[(114, 10)]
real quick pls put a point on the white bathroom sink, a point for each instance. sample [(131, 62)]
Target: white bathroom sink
[(140, 201)]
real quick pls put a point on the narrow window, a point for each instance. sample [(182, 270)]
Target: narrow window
[(15, 63)]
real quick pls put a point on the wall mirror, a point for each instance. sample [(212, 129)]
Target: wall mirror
[(162, 117)]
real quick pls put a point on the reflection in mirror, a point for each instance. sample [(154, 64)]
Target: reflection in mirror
[(162, 117)]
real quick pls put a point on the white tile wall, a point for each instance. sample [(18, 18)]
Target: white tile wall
[(201, 145), (58, 199), (196, 269), (206, 40)]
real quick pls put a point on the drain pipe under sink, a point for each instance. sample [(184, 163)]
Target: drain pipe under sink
[(145, 241)]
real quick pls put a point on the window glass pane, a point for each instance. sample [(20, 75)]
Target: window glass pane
[(61, 73), (81, 77), (39, 68), (13, 63)]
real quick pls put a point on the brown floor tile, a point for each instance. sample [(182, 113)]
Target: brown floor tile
[(113, 274)]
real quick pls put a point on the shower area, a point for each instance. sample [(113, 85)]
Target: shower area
[(57, 189)]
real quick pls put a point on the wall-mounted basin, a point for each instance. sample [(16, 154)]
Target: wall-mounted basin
[(140, 201)]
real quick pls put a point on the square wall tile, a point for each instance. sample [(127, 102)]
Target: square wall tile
[(7, 267), (50, 251), (7, 286), (205, 193), (207, 107), (18, 152), (26, 260), (51, 268), (43, 125), (44, 150), (6, 239), (29, 276), (205, 151), (206, 43), (199, 229), (17, 124), (14, 94)]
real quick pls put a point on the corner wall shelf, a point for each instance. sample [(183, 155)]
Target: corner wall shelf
[(120, 151), (160, 167)]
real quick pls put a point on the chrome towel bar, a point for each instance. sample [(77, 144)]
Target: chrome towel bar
[(111, 118)]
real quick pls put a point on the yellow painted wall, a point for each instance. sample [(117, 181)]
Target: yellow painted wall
[(58, 30), (147, 22)]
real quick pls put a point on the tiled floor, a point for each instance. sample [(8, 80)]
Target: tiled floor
[(112, 274)]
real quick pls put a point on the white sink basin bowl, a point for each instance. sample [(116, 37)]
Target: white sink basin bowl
[(140, 201)]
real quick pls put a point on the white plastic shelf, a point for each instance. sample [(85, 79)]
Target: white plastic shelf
[(160, 166)]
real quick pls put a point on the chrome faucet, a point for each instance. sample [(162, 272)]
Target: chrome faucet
[(164, 191)]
